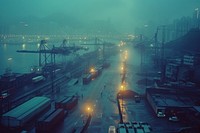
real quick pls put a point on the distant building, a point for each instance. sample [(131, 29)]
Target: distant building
[(172, 71), (191, 60), (184, 69), (188, 60)]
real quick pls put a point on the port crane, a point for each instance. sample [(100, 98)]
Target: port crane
[(47, 55), (99, 42)]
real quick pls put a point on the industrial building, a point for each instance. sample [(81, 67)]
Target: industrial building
[(170, 101), (23, 113)]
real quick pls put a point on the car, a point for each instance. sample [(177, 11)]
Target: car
[(160, 114), (112, 129), (173, 118), (4, 95)]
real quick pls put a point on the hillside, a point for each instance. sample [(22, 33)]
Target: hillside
[(188, 42)]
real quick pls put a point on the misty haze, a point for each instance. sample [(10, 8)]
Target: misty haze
[(99, 66)]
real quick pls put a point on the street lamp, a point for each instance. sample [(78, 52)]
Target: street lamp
[(89, 110), (23, 46), (197, 12), (122, 87), (10, 62), (122, 68)]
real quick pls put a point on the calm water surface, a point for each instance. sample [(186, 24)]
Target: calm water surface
[(22, 62)]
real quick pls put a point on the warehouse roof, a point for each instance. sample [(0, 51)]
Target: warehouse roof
[(26, 110)]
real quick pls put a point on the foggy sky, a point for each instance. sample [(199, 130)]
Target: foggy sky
[(125, 14)]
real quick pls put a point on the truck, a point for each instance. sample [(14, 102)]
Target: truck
[(87, 78), (67, 103), (38, 79), (49, 121)]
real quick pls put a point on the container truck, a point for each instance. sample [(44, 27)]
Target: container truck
[(87, 78)]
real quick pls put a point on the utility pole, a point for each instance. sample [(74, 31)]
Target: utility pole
[(142, 51), (156, 48), (159, 56), (162, 55), (52, 71)]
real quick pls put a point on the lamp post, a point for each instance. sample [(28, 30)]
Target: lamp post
[(197, 17), (10, 62), (8, 69), (89, 111)]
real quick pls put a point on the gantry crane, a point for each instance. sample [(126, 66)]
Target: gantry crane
[(47, 55), (99, 42), (47, 58)]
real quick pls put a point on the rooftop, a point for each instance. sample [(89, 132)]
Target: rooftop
[(172, 98)]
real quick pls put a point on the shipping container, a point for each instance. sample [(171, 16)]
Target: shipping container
[(49, 121), (38, 79), (67, 103)]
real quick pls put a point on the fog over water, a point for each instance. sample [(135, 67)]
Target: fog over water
[(38, 17), (123, 15)]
